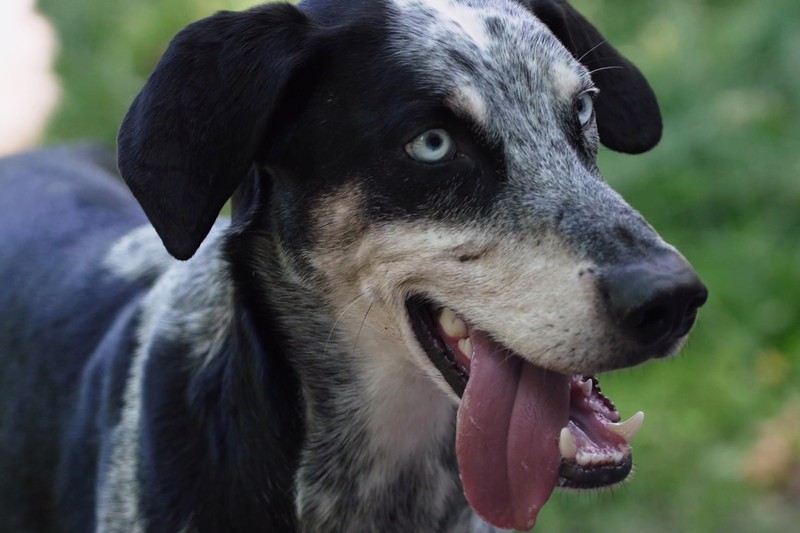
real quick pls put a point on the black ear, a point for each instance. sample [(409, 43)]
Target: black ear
[(192, 134), (628, 117)]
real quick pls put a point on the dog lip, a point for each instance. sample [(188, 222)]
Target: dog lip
[(420, 312), (577, 477)]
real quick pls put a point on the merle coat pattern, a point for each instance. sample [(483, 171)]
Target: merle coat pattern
[(274, 381)]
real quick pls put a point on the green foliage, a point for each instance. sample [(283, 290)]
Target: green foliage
[(107, 51), (723, 186)]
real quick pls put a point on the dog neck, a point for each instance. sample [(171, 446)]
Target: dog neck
[(379, 435)]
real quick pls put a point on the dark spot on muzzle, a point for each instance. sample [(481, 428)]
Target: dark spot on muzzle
[(654, 301)]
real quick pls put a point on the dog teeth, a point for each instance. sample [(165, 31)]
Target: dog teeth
[(457, 329), (594, 458), (567, 445), (586, 387), (452, 325), (465, 345), (629, 428)]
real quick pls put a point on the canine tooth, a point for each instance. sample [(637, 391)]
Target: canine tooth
[(451, 324), (566, 444), (629, 428), (465, 345), (586, 387)]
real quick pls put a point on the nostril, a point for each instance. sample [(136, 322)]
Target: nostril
[(651, 321), (654, 301), (690, 314)]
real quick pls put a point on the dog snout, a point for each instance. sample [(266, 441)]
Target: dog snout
[(654, 301)]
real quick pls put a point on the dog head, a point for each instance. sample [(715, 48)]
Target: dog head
[(432, 163)]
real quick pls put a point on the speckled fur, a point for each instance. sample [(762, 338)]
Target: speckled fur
[(304, 292)]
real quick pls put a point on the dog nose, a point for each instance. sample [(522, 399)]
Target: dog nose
[(656, 300)]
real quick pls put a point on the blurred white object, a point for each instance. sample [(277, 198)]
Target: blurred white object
[(28, 86)]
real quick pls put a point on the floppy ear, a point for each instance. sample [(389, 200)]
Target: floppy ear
[(192, 134), (628, 118)]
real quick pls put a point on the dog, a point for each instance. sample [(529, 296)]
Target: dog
[(399, 327)]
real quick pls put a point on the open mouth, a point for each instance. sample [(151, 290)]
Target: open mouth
[(522, 430)]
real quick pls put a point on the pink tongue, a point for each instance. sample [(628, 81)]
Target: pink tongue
[(509, 421)]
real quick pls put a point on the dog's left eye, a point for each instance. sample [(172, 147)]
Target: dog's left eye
[(584, 107), (433, 146)]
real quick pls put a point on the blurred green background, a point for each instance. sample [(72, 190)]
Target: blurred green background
[(720, 449)]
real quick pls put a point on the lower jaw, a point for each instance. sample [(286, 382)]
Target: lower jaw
[(572, 476)]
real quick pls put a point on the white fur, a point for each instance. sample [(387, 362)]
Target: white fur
[(138, 255), (566, 80), (469, 101)]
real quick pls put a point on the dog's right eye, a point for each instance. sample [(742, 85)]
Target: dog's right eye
[(433, 146), (584, 107)]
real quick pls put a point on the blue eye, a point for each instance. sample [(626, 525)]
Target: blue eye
[(433, 146), (584, 108)]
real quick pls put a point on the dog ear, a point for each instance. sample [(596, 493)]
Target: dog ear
[(192, 134), (628, 117)]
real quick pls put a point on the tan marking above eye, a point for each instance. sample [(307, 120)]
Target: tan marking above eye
[(566, 81), (467, 101)]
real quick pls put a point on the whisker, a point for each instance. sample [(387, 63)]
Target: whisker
[(596, 59), (339, 317), (610, 67), (592, 49), (362, 325)]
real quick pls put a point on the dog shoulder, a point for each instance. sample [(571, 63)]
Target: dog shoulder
[(189, 300), (184, 321)]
